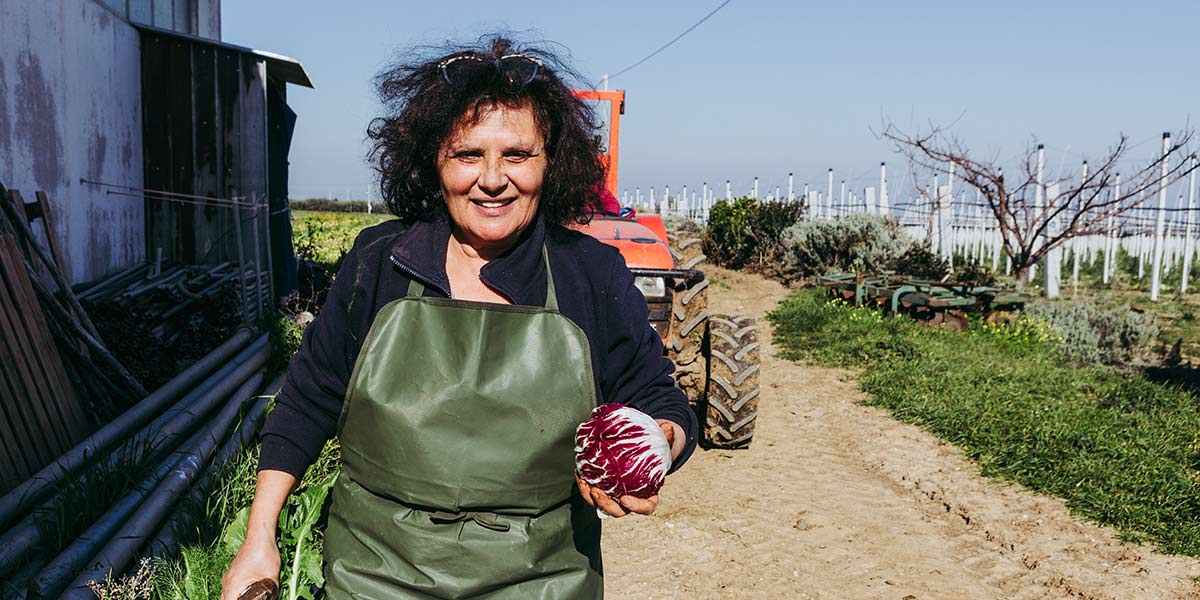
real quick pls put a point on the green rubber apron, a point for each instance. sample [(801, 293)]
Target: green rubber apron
[(457, 440)]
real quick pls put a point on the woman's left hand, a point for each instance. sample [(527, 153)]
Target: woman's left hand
[(624, 505)]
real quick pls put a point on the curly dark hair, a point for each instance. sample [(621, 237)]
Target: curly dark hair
[(423, 108)]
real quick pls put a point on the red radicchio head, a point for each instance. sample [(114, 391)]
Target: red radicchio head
[(622, 451)]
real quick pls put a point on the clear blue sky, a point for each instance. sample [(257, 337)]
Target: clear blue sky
[(764, 88)]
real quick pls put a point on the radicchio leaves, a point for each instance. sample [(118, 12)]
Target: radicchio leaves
[(622, 451)]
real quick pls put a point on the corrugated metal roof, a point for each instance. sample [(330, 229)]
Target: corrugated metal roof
[(283, 68)]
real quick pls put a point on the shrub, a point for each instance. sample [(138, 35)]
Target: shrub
[(747, 232), (858, 242), (284, 335), (975, 274), (920, 262), (323, 205), (1096, 333)]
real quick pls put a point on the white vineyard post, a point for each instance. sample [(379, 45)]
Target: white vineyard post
[(808, 205), (1053, 258), (945, 218), (1075, 240), (841, 210), (1159, 222), (935, 201), (829, 197), (1110, 255), (1139, 222), (1189, 244), (1038, 199), (883, 195)]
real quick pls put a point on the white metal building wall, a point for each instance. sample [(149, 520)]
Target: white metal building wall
[(70, 108)]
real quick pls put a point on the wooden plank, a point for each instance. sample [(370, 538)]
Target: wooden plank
[(18, 412), (43, 203), (65, 401), (15, 199), (14, 464), (30, 350)]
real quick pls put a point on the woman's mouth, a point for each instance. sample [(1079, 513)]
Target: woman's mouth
[(493, 203)]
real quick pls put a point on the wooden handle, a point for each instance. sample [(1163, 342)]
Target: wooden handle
[(263, 589)]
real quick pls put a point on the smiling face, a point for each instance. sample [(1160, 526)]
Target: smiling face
[(491, 173)]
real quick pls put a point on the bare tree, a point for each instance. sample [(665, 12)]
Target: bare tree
[(1029, 229)]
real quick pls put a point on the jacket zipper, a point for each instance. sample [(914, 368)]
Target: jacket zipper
[(414, 275)]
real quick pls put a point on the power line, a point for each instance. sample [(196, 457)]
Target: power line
[(668, 44)]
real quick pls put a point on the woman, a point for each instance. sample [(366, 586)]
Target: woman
[(461, 345)]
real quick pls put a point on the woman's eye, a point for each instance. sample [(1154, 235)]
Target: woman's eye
[(517, 156), (468, 155)]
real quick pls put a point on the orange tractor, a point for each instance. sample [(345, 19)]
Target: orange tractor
[(715, 356)]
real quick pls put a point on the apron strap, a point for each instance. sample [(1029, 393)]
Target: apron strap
[(551, 297), (415, 289)]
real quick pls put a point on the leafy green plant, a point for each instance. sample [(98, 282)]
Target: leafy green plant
[(1095, 332), (304, 570), (326, 237), (745, 232), (920, 262), (855, 242), (284, 335)]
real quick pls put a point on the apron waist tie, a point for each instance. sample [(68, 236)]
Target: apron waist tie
[(487, 520)]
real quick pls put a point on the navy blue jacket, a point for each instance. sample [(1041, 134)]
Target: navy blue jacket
[(595, 290)]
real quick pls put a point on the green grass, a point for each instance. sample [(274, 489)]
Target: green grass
[(325, 237), (1121, 450), (216, 533)]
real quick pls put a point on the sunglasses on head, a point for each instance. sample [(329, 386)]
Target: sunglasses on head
[(517, 69)]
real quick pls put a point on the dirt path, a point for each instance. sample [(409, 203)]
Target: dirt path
[(836, 500)]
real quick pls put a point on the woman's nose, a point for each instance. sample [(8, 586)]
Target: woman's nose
[(493, 180)]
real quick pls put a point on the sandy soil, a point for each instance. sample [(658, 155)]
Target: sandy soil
[(837, 500)]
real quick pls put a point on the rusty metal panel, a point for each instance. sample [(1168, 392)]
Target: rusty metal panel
[(70, 110)]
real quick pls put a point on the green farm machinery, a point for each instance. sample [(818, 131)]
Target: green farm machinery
[(935, 303)]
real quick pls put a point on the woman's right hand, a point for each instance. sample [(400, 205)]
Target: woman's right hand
[(256, 559)]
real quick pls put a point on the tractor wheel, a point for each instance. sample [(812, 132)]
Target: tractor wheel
[(689, 326), (732, 398)]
